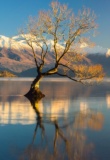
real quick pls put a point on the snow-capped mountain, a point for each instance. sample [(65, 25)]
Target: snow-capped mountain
[(16, 56), (13, 56), (95, 49)]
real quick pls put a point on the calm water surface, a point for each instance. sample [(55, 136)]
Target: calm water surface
[(72, 122)]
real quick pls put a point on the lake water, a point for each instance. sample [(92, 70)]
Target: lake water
[(72, 122)]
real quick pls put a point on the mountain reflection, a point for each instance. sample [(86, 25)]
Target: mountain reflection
[(108, 100), (17, 110)]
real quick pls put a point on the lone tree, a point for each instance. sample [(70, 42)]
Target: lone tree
[(57, 38)]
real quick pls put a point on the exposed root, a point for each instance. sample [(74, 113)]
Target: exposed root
[(34, 94)]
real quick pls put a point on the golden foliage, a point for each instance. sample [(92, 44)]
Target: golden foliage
[(87, 72), (6, 74)]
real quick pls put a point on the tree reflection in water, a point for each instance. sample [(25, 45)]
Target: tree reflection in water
[(69, 141)]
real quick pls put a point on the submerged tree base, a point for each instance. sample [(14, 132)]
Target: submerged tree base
[(35, 94)]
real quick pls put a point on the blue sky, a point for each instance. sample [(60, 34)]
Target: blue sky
[(14, 15)]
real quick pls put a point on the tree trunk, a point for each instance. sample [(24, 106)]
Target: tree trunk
[(34, 92), (35, 83)]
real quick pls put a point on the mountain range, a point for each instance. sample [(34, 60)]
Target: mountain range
[(16, 57)]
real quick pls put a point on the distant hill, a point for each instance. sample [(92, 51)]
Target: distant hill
[(28, 73), (31, 73)]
